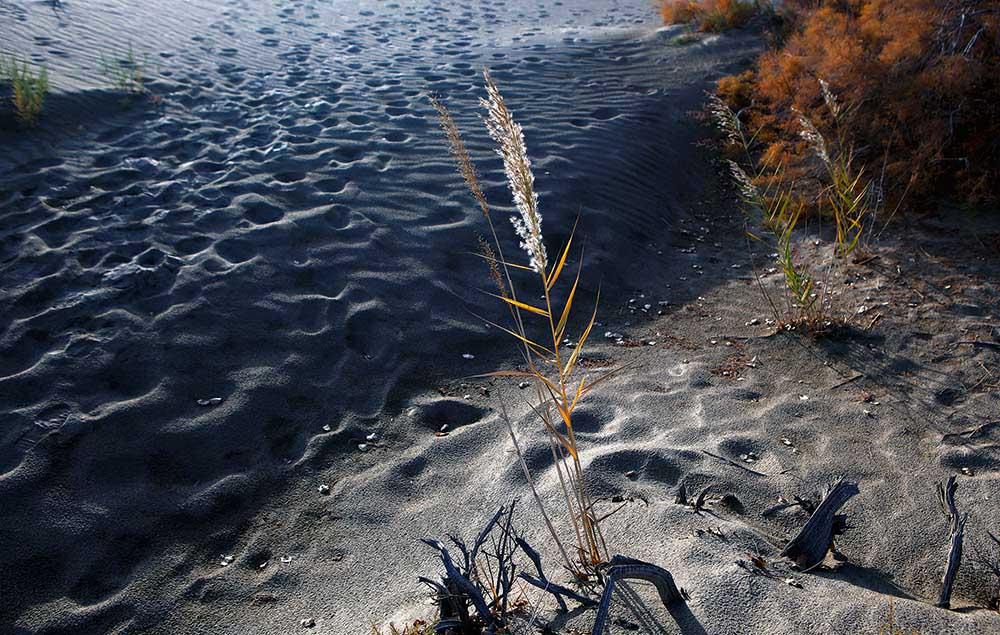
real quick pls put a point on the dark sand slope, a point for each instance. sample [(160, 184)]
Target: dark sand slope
[(289, 235)]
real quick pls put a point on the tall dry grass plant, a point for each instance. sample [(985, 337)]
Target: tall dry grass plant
[(539, 328)]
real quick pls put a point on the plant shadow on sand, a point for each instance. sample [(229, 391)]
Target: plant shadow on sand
[(637, 609)]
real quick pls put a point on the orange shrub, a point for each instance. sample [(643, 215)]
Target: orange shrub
[(920, 80), (711, 15)]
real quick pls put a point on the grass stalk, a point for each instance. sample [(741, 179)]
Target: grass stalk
[(550, 367)]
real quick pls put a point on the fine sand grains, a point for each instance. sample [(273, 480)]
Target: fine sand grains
[(234, 323)]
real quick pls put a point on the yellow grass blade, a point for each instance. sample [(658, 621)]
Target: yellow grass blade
[(551, 387), (522, 305), (557, 269), (564, 414), (558, 435), (517, 335), (579, 345), (579, 393), (605, 377), (500, 262), (569, 303)]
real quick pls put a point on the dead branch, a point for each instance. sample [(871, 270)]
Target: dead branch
[(956, 524), (810, 546)]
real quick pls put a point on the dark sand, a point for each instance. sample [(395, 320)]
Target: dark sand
[(288, 235)]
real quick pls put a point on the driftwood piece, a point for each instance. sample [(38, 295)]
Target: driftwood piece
[(797, 501), (543, 583), (699, 502), (681, 498), (466, 587), (809, 547), (622, 568), (956, 523)]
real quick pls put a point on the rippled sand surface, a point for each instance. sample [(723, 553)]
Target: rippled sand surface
[(259, 283)]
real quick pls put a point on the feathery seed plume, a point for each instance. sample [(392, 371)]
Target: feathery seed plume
[(487, 252), (831, 100), (726, 120), (813, 137), (510, 141), (457, 146), (748, 190)]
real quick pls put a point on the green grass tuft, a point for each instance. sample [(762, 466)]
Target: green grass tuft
[(126, 71), (29, 88)]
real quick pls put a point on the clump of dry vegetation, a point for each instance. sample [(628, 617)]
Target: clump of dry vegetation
[(542, 331), (709, 15), (483, 589), (921, 82), (29, 88)]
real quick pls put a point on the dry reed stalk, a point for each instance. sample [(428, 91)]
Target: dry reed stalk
[(549, 366)]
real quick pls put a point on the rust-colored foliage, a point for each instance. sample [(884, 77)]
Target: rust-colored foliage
[(920, 81), (710, 15)]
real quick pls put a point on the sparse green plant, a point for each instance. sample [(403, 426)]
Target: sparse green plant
[(550, 360), (776, 211), (846, 196), (29, 88), (126, 71)]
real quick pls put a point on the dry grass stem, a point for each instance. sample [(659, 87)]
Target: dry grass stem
[(549, 363)]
